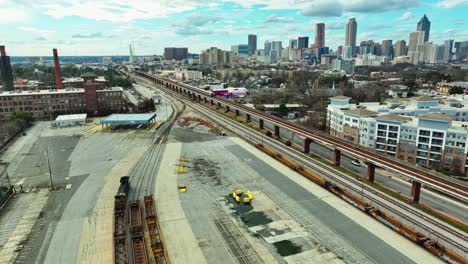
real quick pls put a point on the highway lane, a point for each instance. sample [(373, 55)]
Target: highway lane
[(428, 198)]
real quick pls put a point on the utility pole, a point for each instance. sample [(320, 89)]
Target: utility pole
[(50, 171)]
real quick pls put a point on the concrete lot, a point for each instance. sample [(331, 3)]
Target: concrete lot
[(75, 220), (293, 213)]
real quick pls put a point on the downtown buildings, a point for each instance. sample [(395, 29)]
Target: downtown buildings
[(216, 57), (424, 131)]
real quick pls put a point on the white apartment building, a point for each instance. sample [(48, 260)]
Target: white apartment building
[(424, 131)]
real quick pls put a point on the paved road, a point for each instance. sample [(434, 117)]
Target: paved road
[(428, 198)]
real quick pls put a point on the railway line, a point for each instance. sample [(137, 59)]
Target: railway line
[(441, 183), (135, 193), (434, 229)]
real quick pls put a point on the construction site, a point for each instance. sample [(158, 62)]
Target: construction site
[(183, 188)]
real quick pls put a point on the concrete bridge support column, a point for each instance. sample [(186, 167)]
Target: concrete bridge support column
[(261, 124), (370, 172), (211, 102), (416, 191), (336, 157), (277, 132), (307, 142)]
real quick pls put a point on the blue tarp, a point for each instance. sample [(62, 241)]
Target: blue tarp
[(129, 119)]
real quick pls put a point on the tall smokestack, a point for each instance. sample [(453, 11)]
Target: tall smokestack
[(58, 76), (7, 73)]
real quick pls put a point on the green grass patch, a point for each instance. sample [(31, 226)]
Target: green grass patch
[(463, 227)]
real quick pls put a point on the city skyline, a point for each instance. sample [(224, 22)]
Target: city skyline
[(98, 29)]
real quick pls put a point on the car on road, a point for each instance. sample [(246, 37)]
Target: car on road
[(356, 162)]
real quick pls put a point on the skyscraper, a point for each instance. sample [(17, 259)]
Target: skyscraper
[(175, 53), (293, 44), (351, 32), (302, 42), (416, 39), (7, 73), (252, 44), (448, 50), (319, 35), (424, 25), (400, 48), (267, 48), (387, 48)]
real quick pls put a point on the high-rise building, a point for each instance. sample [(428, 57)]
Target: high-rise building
[(240, 50), (267, 48), (339, 51), (461, 50), (448, 50), (387, 48), (293, 44), (302, 42), (347, 52), (216, 57), (7, 73), (319, 35), (175, 53), (351, 33), (275, 52), (415, 39), (400, 48), (424, 25), (252, 44)]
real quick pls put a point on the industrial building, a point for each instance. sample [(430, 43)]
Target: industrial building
[(129, 119), (175, 53), (424, 132), (70, 120)]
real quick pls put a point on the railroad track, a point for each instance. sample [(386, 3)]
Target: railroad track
[(403, 210), (142, 181), (450, 186)]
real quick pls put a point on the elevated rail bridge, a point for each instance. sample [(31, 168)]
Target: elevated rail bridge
[(444, 184)]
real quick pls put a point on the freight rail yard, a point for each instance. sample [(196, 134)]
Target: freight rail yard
[(164, 194)]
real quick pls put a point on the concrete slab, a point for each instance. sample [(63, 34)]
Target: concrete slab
[(35, 202), (96, 240), (178, 237), (369, 228)]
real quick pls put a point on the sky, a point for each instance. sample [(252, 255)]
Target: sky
[(107, 27)]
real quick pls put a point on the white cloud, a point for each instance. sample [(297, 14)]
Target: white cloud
[(323, 8), (406, 16), (115, 10), (35, 30), (335, 25), (13, 12), (278, 19), (452, 3)]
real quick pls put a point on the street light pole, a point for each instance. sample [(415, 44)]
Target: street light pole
[(50, 170)]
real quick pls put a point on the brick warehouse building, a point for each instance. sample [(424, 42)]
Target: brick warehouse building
[(93, 99)]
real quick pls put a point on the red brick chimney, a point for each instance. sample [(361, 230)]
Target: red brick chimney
[(58, 76), (2, 51)]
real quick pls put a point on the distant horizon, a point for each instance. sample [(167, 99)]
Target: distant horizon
[(90, 28)]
